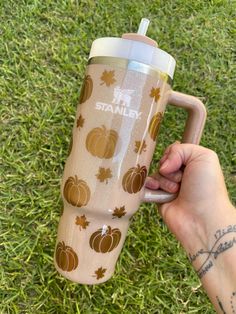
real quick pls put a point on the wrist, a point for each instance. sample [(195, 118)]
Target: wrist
[(202, 234), (216, 269), (212, 240)]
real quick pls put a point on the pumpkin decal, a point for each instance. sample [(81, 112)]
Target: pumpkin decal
[(87, 89), (66, 257), (154, 125), (76, 192), (133, 180), (101, 142), (105, 239)]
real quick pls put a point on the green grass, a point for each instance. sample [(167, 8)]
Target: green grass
[(43, 50)]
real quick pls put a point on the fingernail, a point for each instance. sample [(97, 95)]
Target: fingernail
[(164, 165), (163, 159)]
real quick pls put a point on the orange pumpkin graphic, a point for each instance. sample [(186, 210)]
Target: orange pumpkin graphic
[(101, 142), (76, 192), (87, 89), (154, 125), (105, 240), (133, 180), (66, 257)]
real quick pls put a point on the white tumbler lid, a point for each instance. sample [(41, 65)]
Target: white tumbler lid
[(137, 47)]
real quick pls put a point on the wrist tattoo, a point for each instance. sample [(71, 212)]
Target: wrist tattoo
[(219, 246), (233, 302), (220, 232), (220, 305)]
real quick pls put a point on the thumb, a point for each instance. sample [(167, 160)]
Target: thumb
[(178, 155)]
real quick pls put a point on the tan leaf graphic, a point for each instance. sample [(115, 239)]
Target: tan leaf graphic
[(140, 146), (82, 222), (155, 93), (80, 121), (99, 273), (108, 78), (119, 212), (104, 174)]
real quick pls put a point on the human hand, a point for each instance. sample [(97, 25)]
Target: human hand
[(201, 217), (202, 204)]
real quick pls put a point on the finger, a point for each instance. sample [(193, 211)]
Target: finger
[(166, 152), (162, 183), (174, 176), (179, 154), (163, 158), (152, 183), (168, 185)]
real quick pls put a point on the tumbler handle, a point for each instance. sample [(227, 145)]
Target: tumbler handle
[(192, 134)]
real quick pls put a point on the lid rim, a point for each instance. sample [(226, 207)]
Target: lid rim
[(133, 50), (130, 65)]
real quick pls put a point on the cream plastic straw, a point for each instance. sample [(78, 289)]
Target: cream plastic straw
[(143, 26)]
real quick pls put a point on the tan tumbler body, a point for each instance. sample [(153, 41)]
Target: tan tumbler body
[(114, 138)]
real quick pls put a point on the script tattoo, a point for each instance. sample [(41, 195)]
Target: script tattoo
[(221, 232), (233, 302), (218, 248), (220, 305)]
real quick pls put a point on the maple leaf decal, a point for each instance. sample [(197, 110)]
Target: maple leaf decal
[(99, 273), (82, 222), (104, 174), (108, 78), (155, 93), (140, 146), (119, 212), (80, 121)]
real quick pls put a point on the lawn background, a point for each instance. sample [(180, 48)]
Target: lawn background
[(44, 47)]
